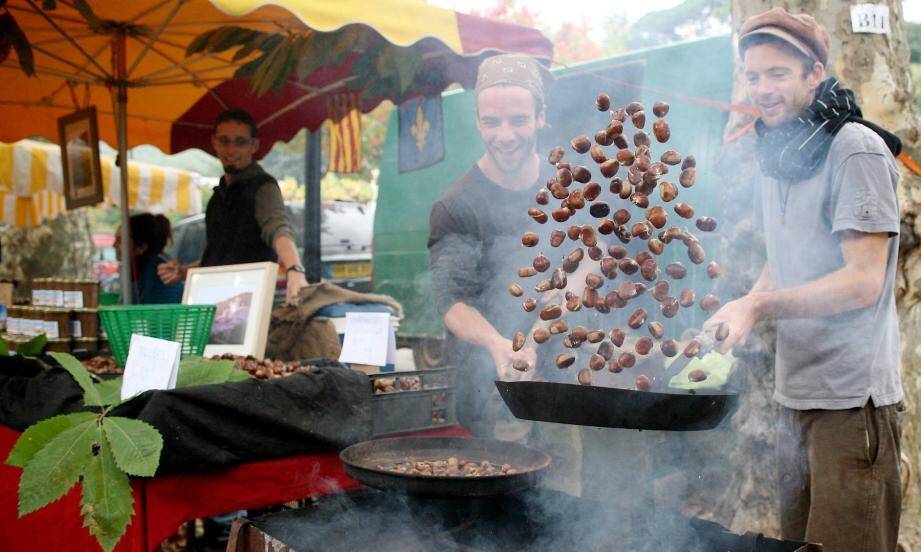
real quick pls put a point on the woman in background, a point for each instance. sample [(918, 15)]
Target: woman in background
[(149, 235)]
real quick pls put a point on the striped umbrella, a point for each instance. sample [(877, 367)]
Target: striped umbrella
[(31, 184)]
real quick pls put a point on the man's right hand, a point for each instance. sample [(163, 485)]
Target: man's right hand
[(171, 272), (503, 355)]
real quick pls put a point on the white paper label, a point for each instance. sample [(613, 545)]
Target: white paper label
[(12, 325), (50, 328), (152, 364), (366, 340), (75, 328), (73, 299), (56, 297), (870, 18)]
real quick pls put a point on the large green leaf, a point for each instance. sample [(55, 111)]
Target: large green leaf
[(136, 445), (110, 391), (34, 346), (4, 346), (195, 370), (91, 396), (38, 435), (107, 504), (56, 467)]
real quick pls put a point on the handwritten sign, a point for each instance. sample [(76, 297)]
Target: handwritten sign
[(870, 18), (152, 364), (368, 338)]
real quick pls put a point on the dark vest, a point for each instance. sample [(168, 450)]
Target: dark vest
[(232, 233)]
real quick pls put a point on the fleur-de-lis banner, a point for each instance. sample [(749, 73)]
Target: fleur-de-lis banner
[(422, 141), (344, 132)]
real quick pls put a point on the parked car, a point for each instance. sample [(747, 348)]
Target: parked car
[(345, 241)]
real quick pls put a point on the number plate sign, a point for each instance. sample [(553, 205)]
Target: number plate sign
[(870, 18)]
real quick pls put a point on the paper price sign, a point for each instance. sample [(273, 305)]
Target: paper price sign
[(870, 18)]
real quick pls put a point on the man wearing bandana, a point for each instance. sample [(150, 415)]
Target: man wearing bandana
[(829, 208)]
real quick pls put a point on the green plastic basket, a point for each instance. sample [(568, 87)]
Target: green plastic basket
[(190, 325), (109, 298)]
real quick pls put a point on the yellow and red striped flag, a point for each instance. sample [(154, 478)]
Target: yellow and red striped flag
[(344, 132)]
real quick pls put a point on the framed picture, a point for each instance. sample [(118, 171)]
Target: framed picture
[(243, 295), (79, 139)]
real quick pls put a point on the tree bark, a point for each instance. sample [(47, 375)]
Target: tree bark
[(876, 67)]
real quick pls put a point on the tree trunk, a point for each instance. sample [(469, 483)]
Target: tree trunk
[(876, 67)]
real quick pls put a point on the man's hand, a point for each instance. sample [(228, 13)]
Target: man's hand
[(503, 355), (740, 316), (295, 281), (171, 272)]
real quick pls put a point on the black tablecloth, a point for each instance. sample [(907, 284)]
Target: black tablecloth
[(211, 426)]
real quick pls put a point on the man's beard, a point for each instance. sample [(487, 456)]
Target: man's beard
[(230, 169)]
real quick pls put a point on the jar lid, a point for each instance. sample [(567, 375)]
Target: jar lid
[(84, 310), (59, 340)]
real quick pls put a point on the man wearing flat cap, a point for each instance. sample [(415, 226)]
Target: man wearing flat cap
[(475, 235), (829, 208)]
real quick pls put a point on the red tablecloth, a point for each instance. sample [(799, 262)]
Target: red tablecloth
[(162, 504)]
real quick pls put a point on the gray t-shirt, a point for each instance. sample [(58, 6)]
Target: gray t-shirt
[(835, 362)]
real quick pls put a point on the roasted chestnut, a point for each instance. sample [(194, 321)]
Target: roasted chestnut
[(617, 251), (710, 302), (638, 119), (655, 246), (626, 290), (667, 191), (628, 266), (617, 337), (669, 348), (593, 280), (643, 345), (626, 360), (656, 329), (657, 216), (556, 155), (595, 253), (641, 200), (684, 210), (660, 109), (565, 361), (607, 227), (543, 196), (671, 157), (676, 270), (540, 335), (557, 237), (596, 362), (591, 191), (561, 215), (564, 177), (714, 270), (541, 263), (580, 144), (526, 272), (649, 270), (687, 177), (637, 319), (518, 341), (692, 349), (597, 154), (660, 290), (697, 375), (558, 327), (581, 174), (529, 239), (585, 376), (529, 305), (706, 224), (603, 102), (594, 336), (515, 290), (669, 307), (550, 312), (599, 209), (609, 168), (642, 383), (687, 297), (661, 131)]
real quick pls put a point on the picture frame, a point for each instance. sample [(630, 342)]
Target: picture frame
[(78, 136), (243, 294)]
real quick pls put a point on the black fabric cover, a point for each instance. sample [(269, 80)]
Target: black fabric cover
[(213, 427)]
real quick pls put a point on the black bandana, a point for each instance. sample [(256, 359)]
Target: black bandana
[(795, 150)]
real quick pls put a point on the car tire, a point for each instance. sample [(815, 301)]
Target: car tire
[(428, 353)]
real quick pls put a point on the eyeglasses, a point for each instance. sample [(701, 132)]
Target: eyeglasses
[(239, 141)]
